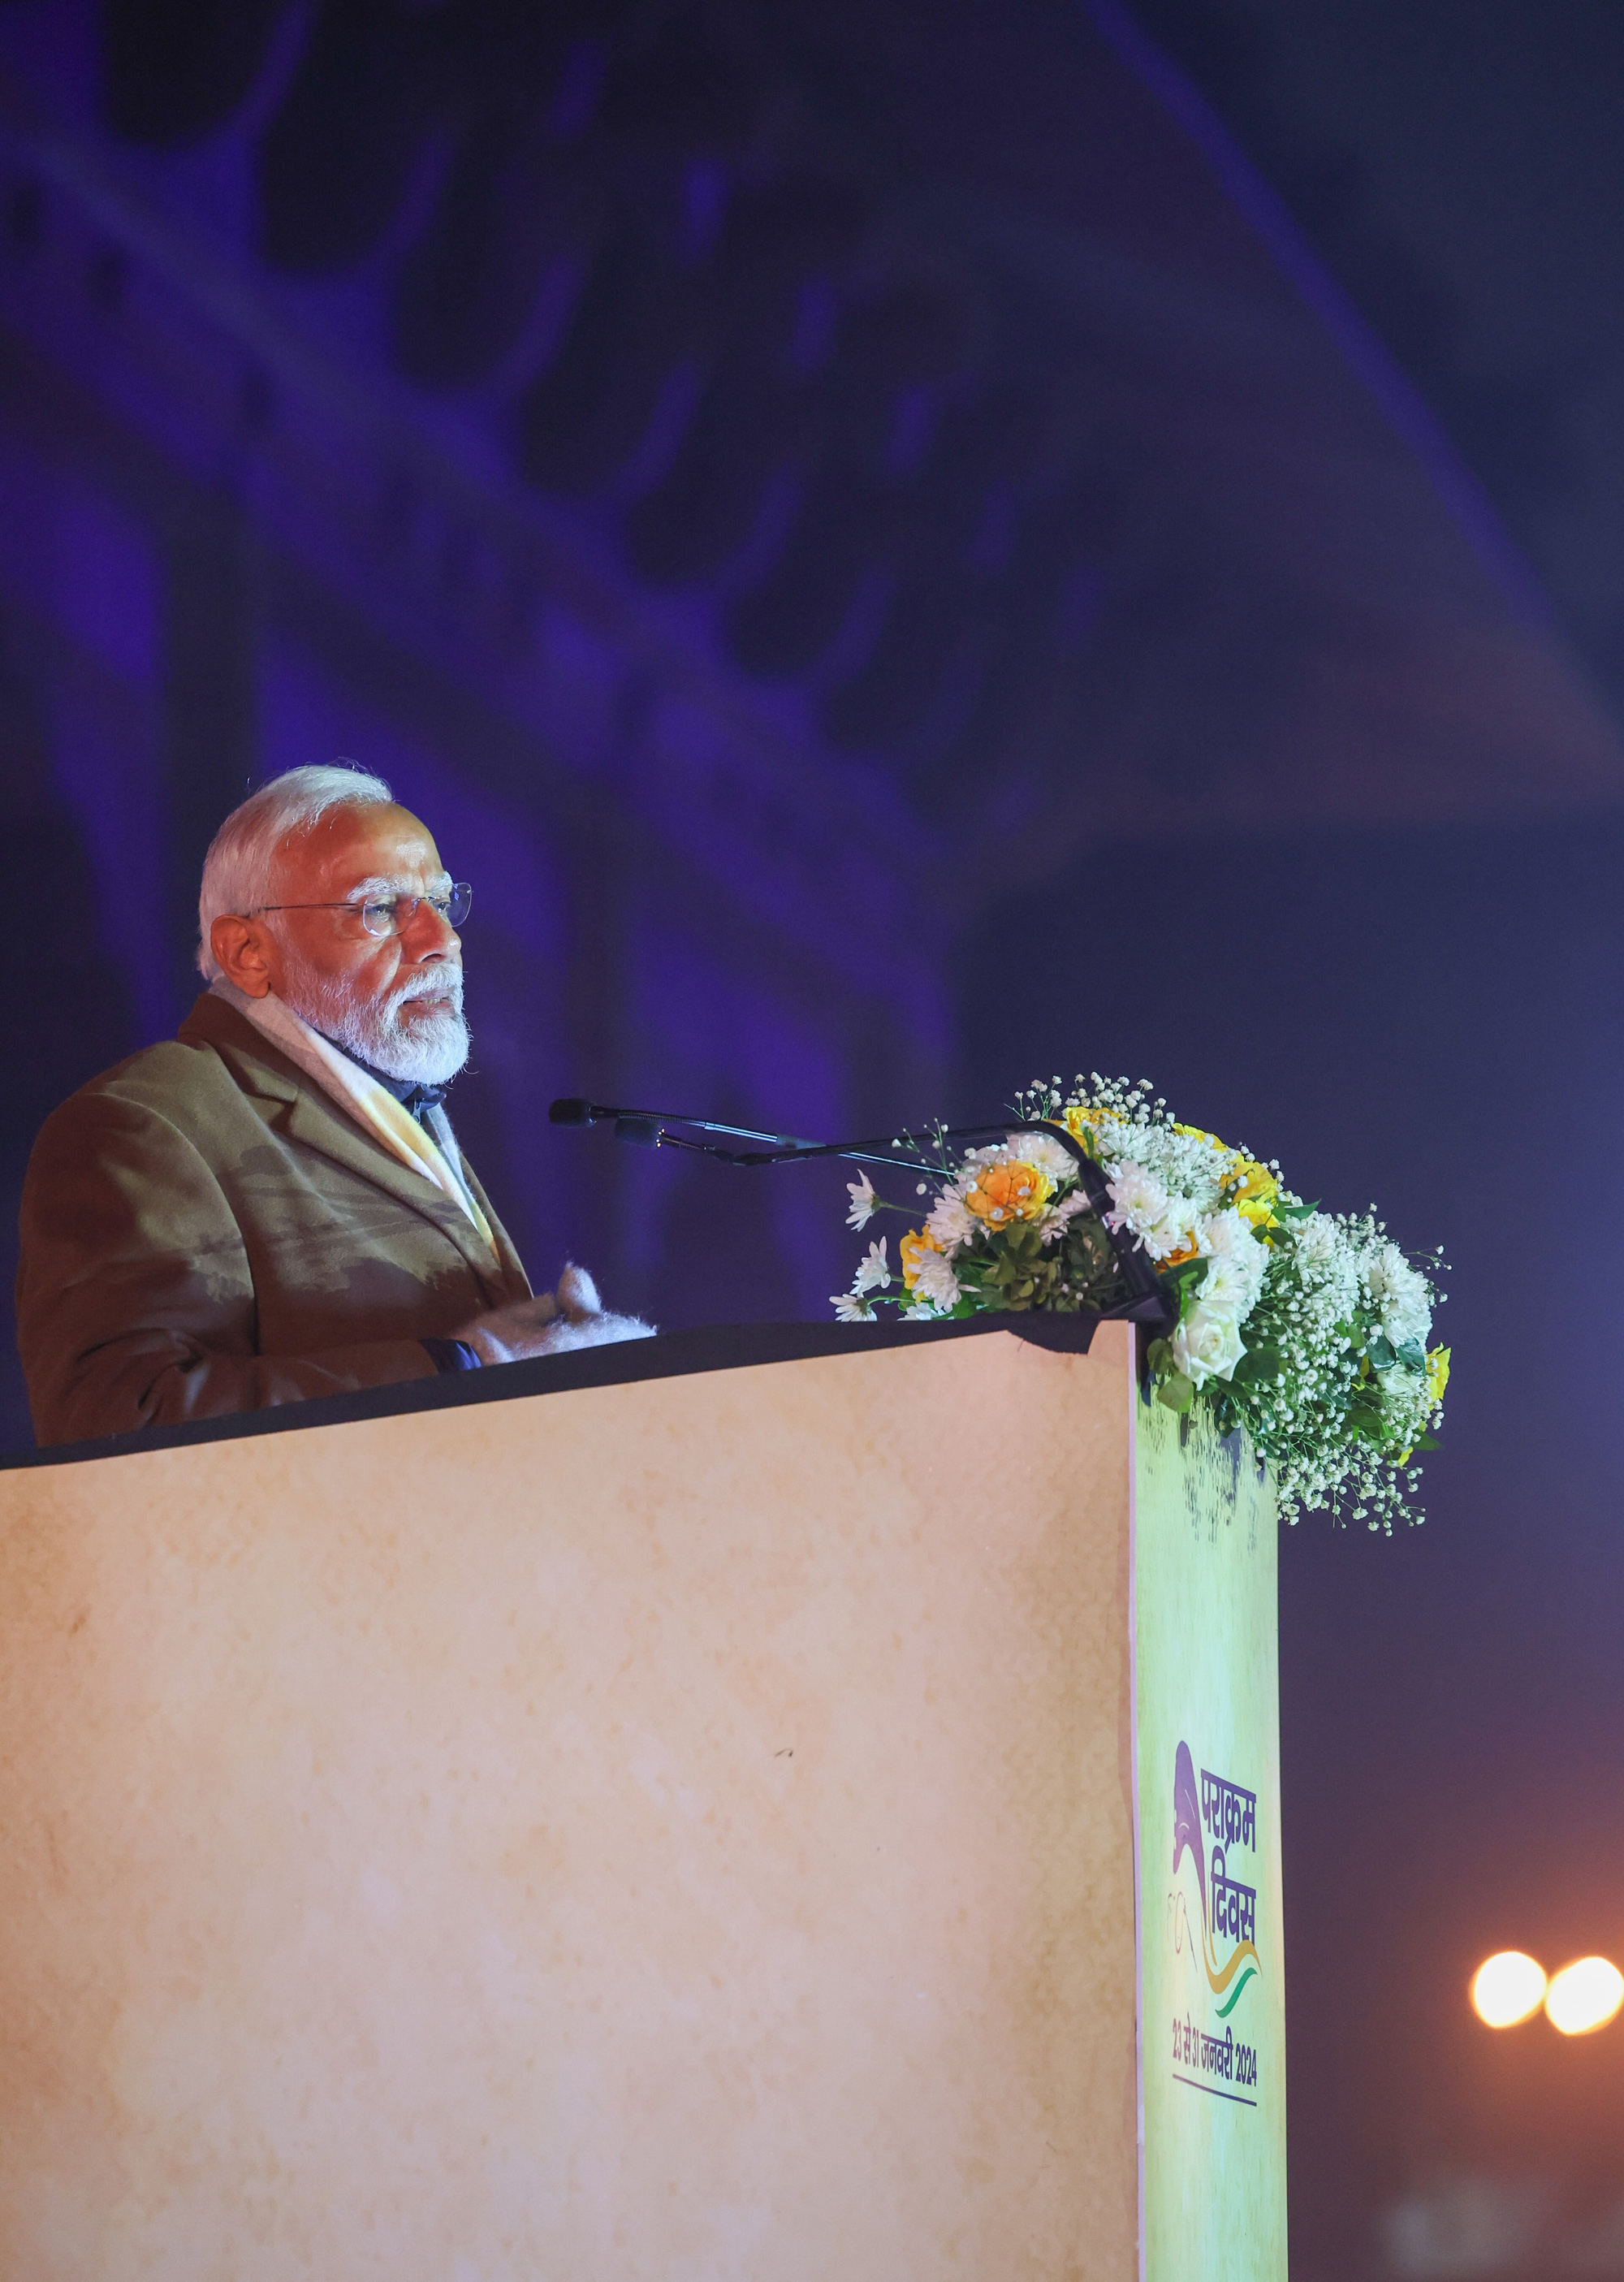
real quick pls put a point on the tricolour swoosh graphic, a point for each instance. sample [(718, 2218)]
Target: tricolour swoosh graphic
[(1245, 1954), (1224, 2010)]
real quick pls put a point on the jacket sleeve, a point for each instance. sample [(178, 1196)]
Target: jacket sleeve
[(135, 1298)]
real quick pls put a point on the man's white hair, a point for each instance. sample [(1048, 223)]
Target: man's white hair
[(242, 859)]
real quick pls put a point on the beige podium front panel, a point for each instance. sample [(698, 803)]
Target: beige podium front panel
[(673, 1829)]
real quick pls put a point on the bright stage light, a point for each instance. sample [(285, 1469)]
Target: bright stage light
[(1507, 1988), (1584, 1995)]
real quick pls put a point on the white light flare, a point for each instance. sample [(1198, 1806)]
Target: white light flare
[(1584, 1995), (1507, 1988)]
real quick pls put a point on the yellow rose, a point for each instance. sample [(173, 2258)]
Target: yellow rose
[(1437, 1373), (1002, 1194), (1096, 1125), (1255, 1192)]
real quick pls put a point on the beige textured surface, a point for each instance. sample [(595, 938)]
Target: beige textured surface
[(673, 1830)]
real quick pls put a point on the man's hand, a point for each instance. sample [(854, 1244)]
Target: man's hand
[(551, 1323)]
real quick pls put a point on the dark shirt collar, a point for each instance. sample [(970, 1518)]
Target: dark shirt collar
[(406, 1090)]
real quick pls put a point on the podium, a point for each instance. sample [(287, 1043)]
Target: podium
[(798, 1804)]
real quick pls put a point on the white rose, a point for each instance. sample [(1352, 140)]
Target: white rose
[(1207, 1346)]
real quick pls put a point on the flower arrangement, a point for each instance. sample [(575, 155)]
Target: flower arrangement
[(1307, 1329)]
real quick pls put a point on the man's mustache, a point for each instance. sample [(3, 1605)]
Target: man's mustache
[(448, 985)]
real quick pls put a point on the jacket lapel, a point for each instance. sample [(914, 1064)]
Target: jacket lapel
[(315, 1123), (304, 1114), (512, 1266)]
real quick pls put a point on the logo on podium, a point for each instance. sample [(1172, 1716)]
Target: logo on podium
[(1211, 1825)]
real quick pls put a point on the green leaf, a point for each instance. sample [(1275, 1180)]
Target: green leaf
[(1193, 1272), (1177, 1391), (1379, 1349)]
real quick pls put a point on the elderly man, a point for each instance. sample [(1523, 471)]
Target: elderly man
[(272, 1205)]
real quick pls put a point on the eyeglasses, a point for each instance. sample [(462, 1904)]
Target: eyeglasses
[(385, 915)]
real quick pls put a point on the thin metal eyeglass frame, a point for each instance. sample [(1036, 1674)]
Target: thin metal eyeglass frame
[(461, 892)]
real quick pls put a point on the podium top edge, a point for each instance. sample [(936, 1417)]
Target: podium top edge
[(669, 1354)]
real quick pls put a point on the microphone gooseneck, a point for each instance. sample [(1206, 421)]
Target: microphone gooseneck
[(575, 1109)]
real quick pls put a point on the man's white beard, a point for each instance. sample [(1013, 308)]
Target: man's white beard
[(423, 1049)]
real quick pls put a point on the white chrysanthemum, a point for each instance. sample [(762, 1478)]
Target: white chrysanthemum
[(1207, 1345), (1139, 1200), (850, 1309), (1227, 1292), (1049, 1155), (934, 1281), (1141, 1204), (874, 1270), (1398, 1295), (1225, 1236), (952, 1223), (861, 1192), (1228, 1236), (966, 1176), (1236, 1264)]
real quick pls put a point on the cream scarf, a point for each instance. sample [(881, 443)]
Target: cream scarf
[(429, 1149)]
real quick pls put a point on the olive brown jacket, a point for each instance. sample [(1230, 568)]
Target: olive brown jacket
[(204, 1230)]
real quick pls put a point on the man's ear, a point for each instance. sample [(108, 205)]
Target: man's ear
[(242, 954)]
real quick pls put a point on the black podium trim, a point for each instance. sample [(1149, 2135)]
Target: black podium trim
[(673, 1354)]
